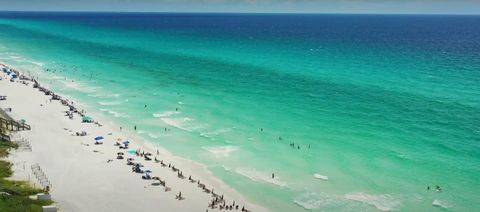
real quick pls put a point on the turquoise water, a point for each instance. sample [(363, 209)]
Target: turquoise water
[(384, 106)]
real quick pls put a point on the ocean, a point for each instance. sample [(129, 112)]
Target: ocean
[(349, 112)]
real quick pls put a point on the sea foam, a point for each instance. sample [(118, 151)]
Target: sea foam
[(312, 200), (381, 202), (221, 151), (259, 176), (108, 103), (114, 113), (214, 134), (320, 177), (183, 123), (439, 203), (151, 135), (164, 114)]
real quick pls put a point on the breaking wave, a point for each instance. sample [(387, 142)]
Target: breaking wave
[(221, 151), (381, 202), (259, 176)]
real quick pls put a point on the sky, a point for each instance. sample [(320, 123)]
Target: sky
[(256, 6)]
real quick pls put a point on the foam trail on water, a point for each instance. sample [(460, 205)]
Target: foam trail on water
[(151, 135), (381, 202), (221, 151), (67, 84), (117, 114), (114, 113), (439, 203), (312, 200), (212, 135), (108, 103), (256, 175), (164, 114), (320, 177), (184, 123)]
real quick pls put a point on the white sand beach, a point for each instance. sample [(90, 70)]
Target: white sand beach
[(81, 177)]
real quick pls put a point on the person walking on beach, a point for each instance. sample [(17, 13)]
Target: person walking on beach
[(273, 175)]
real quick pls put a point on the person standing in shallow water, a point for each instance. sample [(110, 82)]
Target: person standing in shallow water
[(135, 127)]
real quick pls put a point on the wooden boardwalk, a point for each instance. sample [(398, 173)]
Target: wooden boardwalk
[(7, 124), (12, 125)]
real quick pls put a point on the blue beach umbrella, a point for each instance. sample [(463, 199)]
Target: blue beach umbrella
[(148, 171), (132, 151), (98, 138), (126, 142)]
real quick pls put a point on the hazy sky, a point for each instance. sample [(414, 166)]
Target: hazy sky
[(269, 6)]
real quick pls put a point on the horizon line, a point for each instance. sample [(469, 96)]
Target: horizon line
[(231, 12)]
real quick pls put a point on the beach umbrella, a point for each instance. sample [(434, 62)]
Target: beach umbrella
[(120, 153), (126, 142), (98, 138), (87, 118), (132, 151), (148, 171)]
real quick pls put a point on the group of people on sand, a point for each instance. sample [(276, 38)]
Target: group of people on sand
[(217, 201), (66, 102)]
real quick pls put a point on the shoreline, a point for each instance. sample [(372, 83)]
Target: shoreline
[(195, 197)]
